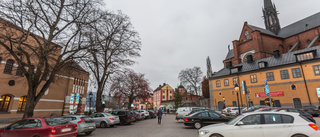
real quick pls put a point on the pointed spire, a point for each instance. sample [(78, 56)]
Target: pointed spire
[(270, 16), (267, 3), (209, 69)]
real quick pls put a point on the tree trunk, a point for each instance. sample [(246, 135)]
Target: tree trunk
[(130, 102), (99, 106), (31, 104)]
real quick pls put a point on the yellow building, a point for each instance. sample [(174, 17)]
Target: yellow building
[(163, 95)]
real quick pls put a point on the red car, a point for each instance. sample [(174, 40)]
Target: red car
[(40, 127)]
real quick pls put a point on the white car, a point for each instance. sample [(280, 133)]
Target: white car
[(232, 111), (182, 111), (145, 113), (263, 124)]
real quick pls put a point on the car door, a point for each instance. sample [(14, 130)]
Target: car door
[(277, 125), (216, 118), (30, 128), (251, 127), (13, 129), (204, 118), (96, 119)]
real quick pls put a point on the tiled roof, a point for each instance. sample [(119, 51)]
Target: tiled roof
[(262, 30), (284, 59), (230, 54)]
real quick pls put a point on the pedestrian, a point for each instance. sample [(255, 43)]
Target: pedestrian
[(159, 116), (168, 111)]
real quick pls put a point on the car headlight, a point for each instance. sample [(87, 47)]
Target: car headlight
[(203, 132)]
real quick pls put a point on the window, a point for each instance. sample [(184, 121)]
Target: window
[(270, 76), (251, 120), (305, 56), (287, 119), (247, 34), (262, 64), (218, 84), (55, 121), (32, 123), (316, 69), (19, 72), (163, 97), (226, 82), (170, 91), (296, 72), (18, 124), (234, 70), (22, 104), (272, 119), (235, 81), (163, 92), (170, 97), (253, 78), (4, 103), (8, 67), (214, 115), (284, 74), (203, 114)]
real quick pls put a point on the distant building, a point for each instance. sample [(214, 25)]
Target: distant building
[(163, 96), (287, 57)]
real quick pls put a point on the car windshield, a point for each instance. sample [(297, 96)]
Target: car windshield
[(233, 121), (55, 121)]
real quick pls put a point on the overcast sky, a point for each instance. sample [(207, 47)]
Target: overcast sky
[(180, 34)]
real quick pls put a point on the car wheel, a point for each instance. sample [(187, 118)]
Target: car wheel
[(88, 133), (299, 135), (197, 125), (216, 135), (103, 124)]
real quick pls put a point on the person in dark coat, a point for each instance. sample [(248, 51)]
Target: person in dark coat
[(159, 116)]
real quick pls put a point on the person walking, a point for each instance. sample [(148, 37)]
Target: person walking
[(159, 116)]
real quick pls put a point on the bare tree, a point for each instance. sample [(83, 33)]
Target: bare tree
[(42, 36), (191, 78), (205, 87), (130, 85), (113, 43)]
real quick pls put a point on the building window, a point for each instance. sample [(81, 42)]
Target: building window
[(19, 72), (218, 84), (234, 70), (4, 103), (270, 76), (284, 74), (220, 94), (262, 64), (8, 67), (253, 78), (235, 81), (316, 69), (305, 56), (22, 104), (170, 91), (170, 97), (163, 92), (296, 72), (226, 82), (163, 97), (247, 35)]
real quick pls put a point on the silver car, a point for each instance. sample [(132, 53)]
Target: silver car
[(105, 119), (84, 124)]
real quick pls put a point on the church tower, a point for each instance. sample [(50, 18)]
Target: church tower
[(270, 16)]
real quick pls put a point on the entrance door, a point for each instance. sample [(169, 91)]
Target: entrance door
[(297, 103), (220, 105), (234, 103)]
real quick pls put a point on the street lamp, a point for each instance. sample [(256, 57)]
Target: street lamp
[(90, 97), (236, 88), (146, 106), (224, 102)]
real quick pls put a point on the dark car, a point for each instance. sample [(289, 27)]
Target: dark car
[(197, 110), (40, 127), (313, 110), (253, 108), (203, 118), (124, 115), (152, 113), (303, 113)]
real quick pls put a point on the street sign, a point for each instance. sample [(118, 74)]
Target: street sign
[(266, 87), (243, 87), (71, 98), (318, 92), (77, 98)]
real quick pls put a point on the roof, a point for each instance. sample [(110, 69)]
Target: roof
[(284, 59), (264, 31), (230, 54), (74, 65)]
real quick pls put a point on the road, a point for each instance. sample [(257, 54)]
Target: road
[(148, 128)]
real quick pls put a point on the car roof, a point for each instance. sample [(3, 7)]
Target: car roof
[(288, 113)]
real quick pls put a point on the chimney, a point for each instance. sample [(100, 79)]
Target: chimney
[(249, 58), (276, 54), (228, 64)]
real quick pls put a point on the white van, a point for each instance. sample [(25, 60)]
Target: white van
[(181, 112)]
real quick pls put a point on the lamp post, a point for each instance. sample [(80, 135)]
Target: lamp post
[(90, 97), (224, 102), (146, 106), (236, 88)]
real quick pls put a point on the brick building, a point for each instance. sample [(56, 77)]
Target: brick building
[(66, 94), (287, 57)]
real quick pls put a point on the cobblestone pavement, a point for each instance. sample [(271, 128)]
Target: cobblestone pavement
[(148, 128)]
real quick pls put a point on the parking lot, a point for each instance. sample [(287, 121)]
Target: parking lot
[(147, 128)]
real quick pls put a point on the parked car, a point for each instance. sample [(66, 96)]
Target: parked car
[(266, 109), (152, 114), (105, 119), (232, 111), (182, 111), (253, 108), (295, 110), (263, 124), (138, 116), (141, 114), (124, 115), (145, 113), (134, 115), (202, 118), (197, 110), (84, 124), (40, 127), (313, 110)]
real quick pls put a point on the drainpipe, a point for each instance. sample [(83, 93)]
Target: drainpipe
[(239, 90), (305, 83)]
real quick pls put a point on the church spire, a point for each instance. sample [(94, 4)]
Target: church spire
[(270, 16)]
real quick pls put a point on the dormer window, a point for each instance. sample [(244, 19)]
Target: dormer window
[(305, 56), (262, 64), (234, 70), (247, 35)]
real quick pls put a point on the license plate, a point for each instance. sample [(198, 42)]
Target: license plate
[(90, 127), (66, 130)]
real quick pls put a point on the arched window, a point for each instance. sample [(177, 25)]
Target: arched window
[(4, 103), (8, 67), (247, 34), (22, 103)]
